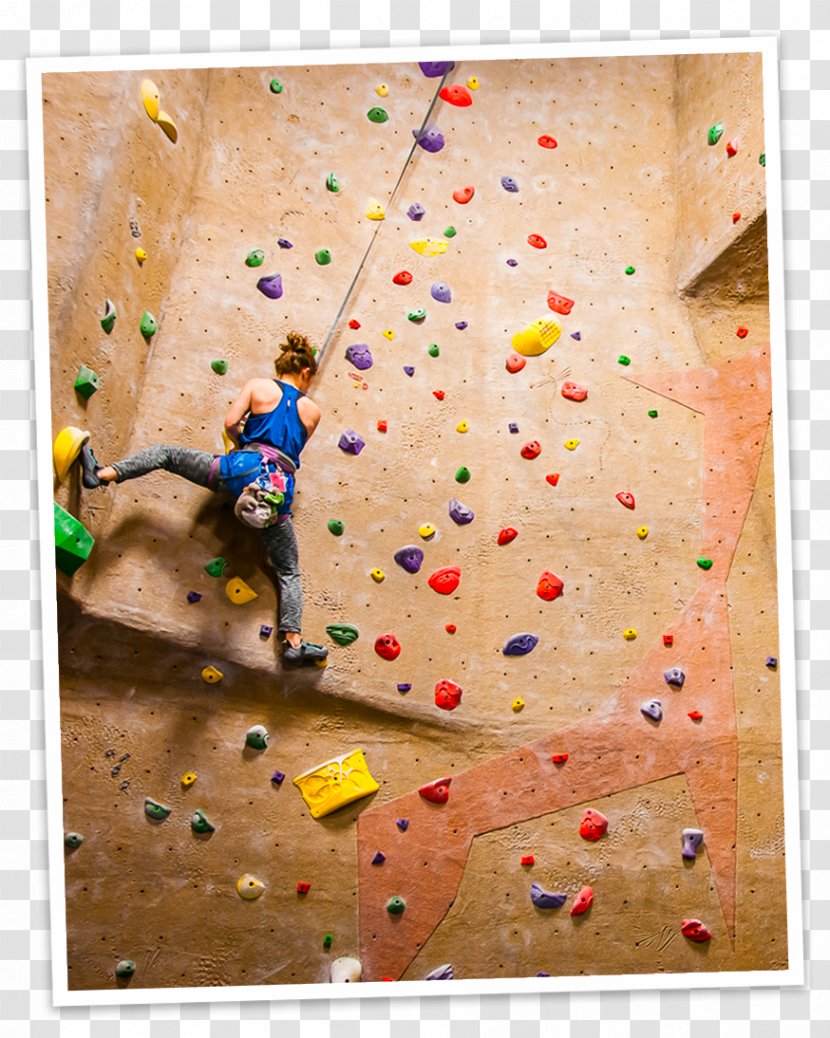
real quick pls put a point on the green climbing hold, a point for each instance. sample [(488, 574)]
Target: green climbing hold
[(762, 158), (158, 812), (73, 840), (395, 905), (336, 526), (434, 349), (219, 366), (125, 968), (199, 822), (629, 270), (149, 325), (255, 258), (416, 315), (652, 414), (108, 320), (463, 475), (323, 256), (332, 184), (216, 567), (343, 634), (704, 563), (450, 232), (328, 940), (257, 737), (377, 115), (73, 542), (715, 133), (275, 86), (622, 359), (87, 382)]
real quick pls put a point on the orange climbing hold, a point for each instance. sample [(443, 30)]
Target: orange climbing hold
[(463, 195), (382, 425), (549, 587), (445, 580), (456, 94), (573, 391), (559, 304), (436, 792)]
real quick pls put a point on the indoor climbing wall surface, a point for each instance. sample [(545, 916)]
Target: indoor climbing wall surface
[(639, 230)]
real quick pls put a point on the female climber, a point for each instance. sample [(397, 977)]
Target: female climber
[(269, 423)]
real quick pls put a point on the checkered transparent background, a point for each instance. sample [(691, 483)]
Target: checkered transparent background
[(80, 27)]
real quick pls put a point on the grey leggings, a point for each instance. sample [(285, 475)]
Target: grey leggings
[(280, 540)]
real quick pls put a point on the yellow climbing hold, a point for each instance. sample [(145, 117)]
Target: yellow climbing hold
[(382, 90), (150, 98), (518, 704), (375, 210), (335, 783), (188, 779), (66, 448), (389, 333), (630, 633), (473, 83), (239, 592), (463, 426), (169, 127), (140, 254), (537, 338), (571, 444), (429, 246), (426, 530), (642, 532), (377, 575), (249, 887), (212, 676)]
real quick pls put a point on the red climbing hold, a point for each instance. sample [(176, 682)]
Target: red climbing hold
[(354, 324), (742, 332), (456, 94), (668, 640), (552, 478), (559, 304), (732, 147), (584, 900), (694, 930), (445, 580), (437, 792), (382, 426), (447, 694), (528, 859), (550, 586), (463, 195), (537, 241), (736, 217), (695, 715), (438, 394), (507, 535), (514, 363), (403, 277), (559, 758), (387, 646), (626, 499), (593, 826), (450, 628), (532, 449), (303, 888), (546, 141), (573, 391)]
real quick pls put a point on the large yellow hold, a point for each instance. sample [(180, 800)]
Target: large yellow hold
[(335, 783), (239, 592), (537, 338), (429, 246), (151, 99), (66, 448)]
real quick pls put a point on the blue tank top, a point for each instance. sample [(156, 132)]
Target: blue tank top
[(282, 427)]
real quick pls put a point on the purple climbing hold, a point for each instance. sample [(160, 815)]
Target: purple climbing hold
[(410, 558), (284, 243), (360, 355), (674, 676), (409, 370), (513, 427), (441, 292), (444, 972), (546, 898), (379, 858), (577, 336), (265, 631), (351, 442), (512, 263), (434, 69), (772, 662), (193, 597), (429, 138), (270, 285), (459, 513), (520, 644), (692, 839), (404, 686), (542, 973), (416, 211), (652, 709), (402, 824), (461, 325), (510, 184), (278, 778)]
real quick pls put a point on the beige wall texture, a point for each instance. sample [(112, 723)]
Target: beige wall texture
[(632, 182)]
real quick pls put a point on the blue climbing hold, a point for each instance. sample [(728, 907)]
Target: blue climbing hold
[(520, 644), (440, 291), (510, 184), (409, 370)]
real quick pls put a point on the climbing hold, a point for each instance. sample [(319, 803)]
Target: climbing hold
[(437, 791), (284, 243), (447, 694), (715, 133), (429, 138), (630, 633), (87, 382), (704, 563), (216, 567), (510, 184), (402, 824), (537, 241), (507, 535), (382, 425), (518, 705), (265, 631), (382, 90), (444, 972), (426, 530), (573, 391), (429, 246), (270, 285), (668, 640), (351, 442), (771, 662), (239, 592), (328, 940), (379, 858), (512, 262), (199, 822), (193, 597), (169, 127), (387, 646), (512, 427), (735, 217), (538, 337), (323, 257), (403, 277), (695, 715), (395, 906), (436, 69), (450, 628), (73, 542), (450, 232), (377, 575), (410, 558), (108, 320), (275, 86), (440, 291), (652, 709), (346, 971), (188, 779), (642, 532), (626, 499), (211, 676), (593, 825), (546, 898), (278, 778), (377, 115), (514, 363), (577, 336), (360, 355), (463, 426), (762, 158), (219, 367), (742, 332), (695, 930), (464, 195), (150, 98), (416, 315), (652, 414), (73, 840), (404, 687), (622, 359), (257, 737), (549, 586), (552, 478), (461, 325), (125, 968), (343, 634), (416, 212), (732, 147), (532, 449), (546, 141), (332, 183), (584, 900), (335, 783), (140, 255), (520, 644), (438, 394), (571, 445), (149, 325), (462, 475), (455, 94), (528, 859), (375, 210), (459, 513), (630, 270), (692, 839), (249, 887), (303, 888), (473, 83), (559, 758), (674, 676), (158, 812)]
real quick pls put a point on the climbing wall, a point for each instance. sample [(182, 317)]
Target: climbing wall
[(594, 180)]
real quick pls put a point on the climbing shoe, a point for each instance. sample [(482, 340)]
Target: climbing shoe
[(305, 653), (90, 468)]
